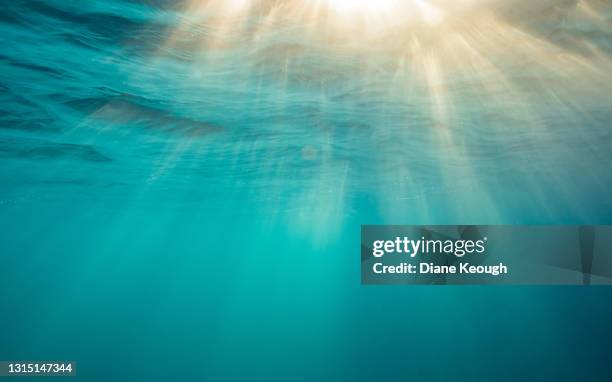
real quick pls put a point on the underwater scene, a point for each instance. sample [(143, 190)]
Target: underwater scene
[(182, 184)]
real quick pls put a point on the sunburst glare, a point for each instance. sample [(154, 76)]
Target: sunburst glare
[(436, 54)]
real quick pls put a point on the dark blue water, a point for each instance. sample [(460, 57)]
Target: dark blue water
[(182, 184)]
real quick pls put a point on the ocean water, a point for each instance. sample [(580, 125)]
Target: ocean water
[(182, 184)]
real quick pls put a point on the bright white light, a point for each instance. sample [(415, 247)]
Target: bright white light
[(397, 9), (347, 6), (431, 14)]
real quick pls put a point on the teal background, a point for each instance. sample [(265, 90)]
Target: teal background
[(170, 210)]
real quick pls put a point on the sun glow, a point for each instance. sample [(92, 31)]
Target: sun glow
[(430, 70), (389, 12), (351, 6), (430, 14)]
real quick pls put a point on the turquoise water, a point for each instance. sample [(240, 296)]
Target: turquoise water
[(182, 186)]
